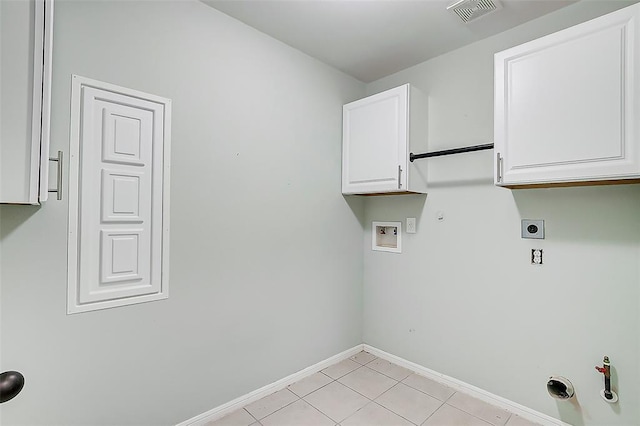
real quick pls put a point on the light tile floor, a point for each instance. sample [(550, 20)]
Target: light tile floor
[(368, 391)]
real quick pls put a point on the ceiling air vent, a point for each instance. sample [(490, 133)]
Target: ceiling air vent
[(470, 10)]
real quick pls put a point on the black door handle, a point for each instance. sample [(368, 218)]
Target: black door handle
[(11, 383)]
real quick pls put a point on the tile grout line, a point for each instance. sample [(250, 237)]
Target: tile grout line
[(450, 396), (444, 403), (426, 393), (425, 420), (356, 412), (471, 414), (323, 375), (306, 395), (254, 417), (509, 418), (365, 363), (410, 372), (429, 416), (399, 415), (441, 404), (347, 386), (396, 384), (322, 412), (284, 406), (316, 408), (379, 372), (366, 397), (358, 368)]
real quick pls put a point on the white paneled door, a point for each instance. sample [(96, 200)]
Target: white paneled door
[(567, 105), (378, 134), (118, 245), (375, 143), (27, 26)]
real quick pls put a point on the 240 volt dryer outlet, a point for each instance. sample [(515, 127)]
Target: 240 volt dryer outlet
[(531, 228)]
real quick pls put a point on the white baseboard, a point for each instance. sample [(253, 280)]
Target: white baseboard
[(460, 386), (257, 394)]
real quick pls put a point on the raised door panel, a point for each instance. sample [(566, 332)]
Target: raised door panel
[(566, 104), (119, 198), (125, 195), (124, 261), (375, 143)]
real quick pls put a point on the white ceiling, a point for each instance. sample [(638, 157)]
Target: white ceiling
[(370, 39)]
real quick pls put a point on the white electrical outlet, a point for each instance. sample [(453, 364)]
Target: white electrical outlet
[(411, 225), (536, 256)]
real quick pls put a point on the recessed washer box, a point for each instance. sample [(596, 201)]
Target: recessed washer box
[(386, 236)]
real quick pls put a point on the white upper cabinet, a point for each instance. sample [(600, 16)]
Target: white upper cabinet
[(379, 132), (567, 106), (26, 34)]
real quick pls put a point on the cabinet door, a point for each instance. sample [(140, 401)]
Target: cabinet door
[(26, 38), (374, 143), (566, 105), (118, 196)]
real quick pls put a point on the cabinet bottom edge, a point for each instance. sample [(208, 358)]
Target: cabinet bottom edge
[(569, 184)]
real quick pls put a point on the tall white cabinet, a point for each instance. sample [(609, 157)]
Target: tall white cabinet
[(379, 132), (26, 36), (567, 106)]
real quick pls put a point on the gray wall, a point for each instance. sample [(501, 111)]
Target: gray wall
[(463, 299), (266, 259), (266, 255)]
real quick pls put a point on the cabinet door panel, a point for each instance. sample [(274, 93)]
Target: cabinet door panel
[(548, 128), (19, 154), (115, 255), (374, 142), (371, 128), (566, 104), (25, 53)]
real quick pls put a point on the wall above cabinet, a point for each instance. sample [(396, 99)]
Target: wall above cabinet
[(567, 106), (378, 134)]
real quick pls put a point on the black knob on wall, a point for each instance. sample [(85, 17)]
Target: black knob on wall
[(11, 383)]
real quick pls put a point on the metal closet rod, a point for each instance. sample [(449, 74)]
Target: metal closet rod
[(413, 156)]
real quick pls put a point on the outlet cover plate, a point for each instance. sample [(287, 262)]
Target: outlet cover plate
[(531, 228), (411, 225)]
